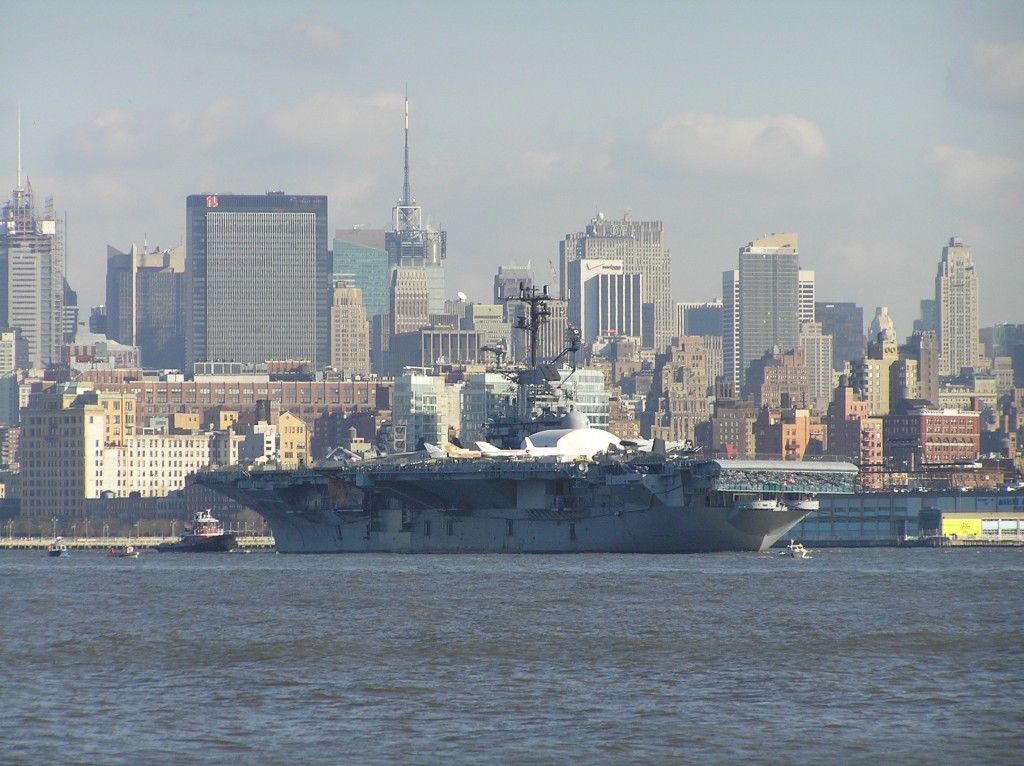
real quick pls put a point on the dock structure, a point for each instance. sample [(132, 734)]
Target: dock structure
[(245, 542), (952, 541)]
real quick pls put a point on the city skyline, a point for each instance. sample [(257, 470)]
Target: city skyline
[(875, 133)]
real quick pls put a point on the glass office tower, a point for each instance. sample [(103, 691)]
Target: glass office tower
[(258, 278)]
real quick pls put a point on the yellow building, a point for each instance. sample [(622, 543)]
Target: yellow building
[(63, 440), (224, 419), (294, 441), (184, 422), (119, 408), (974, 525), (77, 444), (871, 375)]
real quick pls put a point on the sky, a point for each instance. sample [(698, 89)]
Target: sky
[(874, 130)]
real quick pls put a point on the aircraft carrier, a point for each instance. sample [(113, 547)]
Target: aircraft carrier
[(567, 488), (612, 500)]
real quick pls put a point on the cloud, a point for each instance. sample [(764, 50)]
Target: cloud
[(341, 123), (783, 145), (540, 167), (120, 136), (991, 74), (308, 39), (965, 174)]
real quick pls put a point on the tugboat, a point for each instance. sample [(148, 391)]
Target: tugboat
[(205, 535)]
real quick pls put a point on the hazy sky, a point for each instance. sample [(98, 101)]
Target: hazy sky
[(875, 130)]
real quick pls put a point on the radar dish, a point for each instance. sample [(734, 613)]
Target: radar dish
[(462, 296)]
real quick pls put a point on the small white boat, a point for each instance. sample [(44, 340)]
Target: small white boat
[(123, 552), (796, 550)]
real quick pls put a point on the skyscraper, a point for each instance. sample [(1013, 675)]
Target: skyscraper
[(412, 244), (146, 303), (845, 323), (769, 297), (410, 309), (639, 245), (605, 301), (13, 357), (32, 274), (361, 260), (698, 319), (69, 325), (257, 278), (956, 303), (927, 322), (350, 332), (923, 347), (731, 328), (817, 348), (806, 311)]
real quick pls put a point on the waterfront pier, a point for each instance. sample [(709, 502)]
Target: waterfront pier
[(245, 542)]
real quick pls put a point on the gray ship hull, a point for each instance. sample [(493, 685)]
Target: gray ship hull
[(483, 507)]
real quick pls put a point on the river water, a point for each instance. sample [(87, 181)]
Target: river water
[(901, 656)]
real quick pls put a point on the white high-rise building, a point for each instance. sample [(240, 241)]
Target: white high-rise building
[(956, 300), (32, 275), (604, 300), (425, 407), (806, 297), (881, 323), (640, 247)]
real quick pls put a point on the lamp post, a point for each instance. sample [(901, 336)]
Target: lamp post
[(106, 531), (74, 532), (173, 525), (137, 529), (54, 527), (87, 529)]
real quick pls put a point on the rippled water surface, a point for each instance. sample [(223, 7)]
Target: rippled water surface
[(853, 656)]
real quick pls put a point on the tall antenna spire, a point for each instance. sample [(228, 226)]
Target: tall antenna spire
[(406, 200), (19, 146)]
